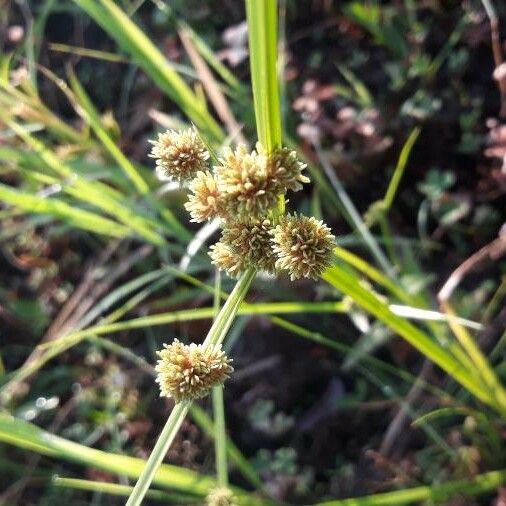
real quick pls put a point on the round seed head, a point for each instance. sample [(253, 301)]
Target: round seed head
[(226, 259), (286, 169), (205, 201), (303, 246), (221, 496), (187, 372), (179, 155), (244, 179), (250, 240)]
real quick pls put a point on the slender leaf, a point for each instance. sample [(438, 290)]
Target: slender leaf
[(135, 42)]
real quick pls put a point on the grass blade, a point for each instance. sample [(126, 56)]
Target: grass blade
[(349, 285), (92, 117), (117, 489), (72, 215), (133, 40), (25, 435), (262, 31), (441, 494)]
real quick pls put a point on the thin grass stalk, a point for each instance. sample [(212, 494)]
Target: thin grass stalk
[(220, 436), (116, 489), (162, 445), (354, 215), (220, 441)]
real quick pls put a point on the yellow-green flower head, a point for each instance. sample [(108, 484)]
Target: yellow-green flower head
[(221, 496), (250, 240), (303, 246), (187, 372), (205, 201), (246, 183), (225, 258), (179, 155), (285, 168)]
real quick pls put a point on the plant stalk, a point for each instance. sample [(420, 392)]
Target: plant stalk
[(220, 442), (162, 445)]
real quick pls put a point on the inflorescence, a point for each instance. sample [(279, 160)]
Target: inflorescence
[(188, 372), (179, 156), (242, 191), (221, 496)]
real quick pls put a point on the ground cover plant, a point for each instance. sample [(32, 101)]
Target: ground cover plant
[(341, 341)]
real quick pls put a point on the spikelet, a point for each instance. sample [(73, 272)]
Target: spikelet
[(250, 240), (248, 188), (285, 168), (303, 246), (224, 257), (220, 496), (179, 155), (188, 372), (205, 201)]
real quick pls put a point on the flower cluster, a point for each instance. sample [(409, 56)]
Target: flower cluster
[(302, 245), (188, 372), (242, 190), (179, 155), (245, 242), (244, 183), (220, 496)]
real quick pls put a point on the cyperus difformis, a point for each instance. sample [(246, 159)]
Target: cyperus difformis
[(246, 184), (221, 496)]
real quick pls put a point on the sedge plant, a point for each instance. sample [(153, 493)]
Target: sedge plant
[(245, 190)]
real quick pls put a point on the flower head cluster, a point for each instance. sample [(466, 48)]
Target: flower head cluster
[(188, 372), (205, 201), (242, 190), (303, 246), (220, 496), (179, 155), (226, 259), (285, 168), (245, 184), (245, 242), (248, 186)]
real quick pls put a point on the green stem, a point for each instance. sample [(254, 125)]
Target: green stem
[(159, 451), (262, 16), (227, 313), (220, 442)]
